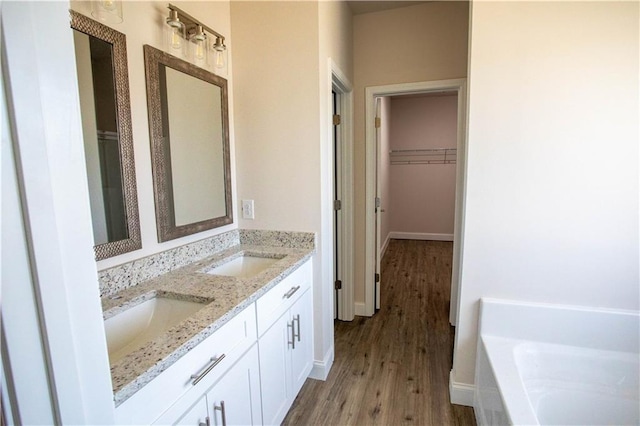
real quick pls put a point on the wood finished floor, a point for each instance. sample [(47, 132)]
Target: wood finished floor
[(393, 368)]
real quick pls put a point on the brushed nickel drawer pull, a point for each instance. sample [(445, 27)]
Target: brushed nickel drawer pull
[(208, 422), (214, 361), (291, 292)]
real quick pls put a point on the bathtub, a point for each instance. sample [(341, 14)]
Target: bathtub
[(557, 365)]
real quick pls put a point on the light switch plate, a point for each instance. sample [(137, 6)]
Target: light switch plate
[(247, 209)]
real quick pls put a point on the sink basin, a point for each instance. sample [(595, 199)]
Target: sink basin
[(243, 266), (130, 330)]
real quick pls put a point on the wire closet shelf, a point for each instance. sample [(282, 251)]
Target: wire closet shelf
[(423, 156)]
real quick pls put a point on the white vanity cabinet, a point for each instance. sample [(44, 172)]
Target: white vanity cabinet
[(233, 400), (209, 360), (285, 342), (248, 372)]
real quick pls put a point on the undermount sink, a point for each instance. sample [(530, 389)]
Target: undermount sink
[(130, 330), (243, 266)]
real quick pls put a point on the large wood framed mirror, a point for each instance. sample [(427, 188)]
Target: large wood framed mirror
[(189, 130), (103, 83)]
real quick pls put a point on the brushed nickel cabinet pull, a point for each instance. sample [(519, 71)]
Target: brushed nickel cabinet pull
[(207, 420), (223, 412), (214, 361), (291, 292), (297, 320), (293, 335)]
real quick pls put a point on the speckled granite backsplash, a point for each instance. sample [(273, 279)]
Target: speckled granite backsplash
[(129, 274)]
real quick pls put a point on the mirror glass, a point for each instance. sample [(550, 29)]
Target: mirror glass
[(106, 126), (188, 119)]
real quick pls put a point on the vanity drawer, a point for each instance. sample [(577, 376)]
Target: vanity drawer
[(230, 340), (276, 301)]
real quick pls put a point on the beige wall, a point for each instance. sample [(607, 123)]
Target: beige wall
[(142, 24), (423, 195), (549, 217), (417, 43), (282, 87), (277, 112)]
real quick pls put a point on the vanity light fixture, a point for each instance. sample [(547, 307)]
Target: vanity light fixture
[(219, 48), (198, 35), (175, 31), (107, 11)]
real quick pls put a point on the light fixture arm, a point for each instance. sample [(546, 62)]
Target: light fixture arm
[(191, 23)]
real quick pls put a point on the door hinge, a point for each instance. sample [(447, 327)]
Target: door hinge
[(337, 205), (338, 285), (378, 122), (377, 277), (336, 119), (377, 204)]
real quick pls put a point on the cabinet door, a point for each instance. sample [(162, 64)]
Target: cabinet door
[(194, 415), (302, 354), (235, 398), (274, 376)]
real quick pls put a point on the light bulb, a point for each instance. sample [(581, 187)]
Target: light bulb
[(219, 48), (200, 43), (219, 59), (109, 5), (175, 38), (109, 11), (200, 49)]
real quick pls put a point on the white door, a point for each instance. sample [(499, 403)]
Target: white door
[(378, 216), (337, 208), (194, 416), (302, 353), (274, 377), (235, 398)]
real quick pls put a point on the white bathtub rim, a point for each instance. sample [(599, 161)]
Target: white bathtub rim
[(560, 324), (559, 306), (513, 394)]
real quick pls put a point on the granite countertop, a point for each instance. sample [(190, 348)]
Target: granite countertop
[(225, 297)]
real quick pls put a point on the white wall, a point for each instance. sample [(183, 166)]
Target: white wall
[(423, 195), (143, 24), (552, 178)]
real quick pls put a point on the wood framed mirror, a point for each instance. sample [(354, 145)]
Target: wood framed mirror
[(103, 83), (189, 131)]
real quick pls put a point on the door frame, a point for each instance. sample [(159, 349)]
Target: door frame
[(371, 93), (62, 307), (341, 85)]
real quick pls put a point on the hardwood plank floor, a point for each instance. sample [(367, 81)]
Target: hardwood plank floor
[(393, 368)]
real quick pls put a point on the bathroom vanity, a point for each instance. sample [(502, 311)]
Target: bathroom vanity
[(227, 339)]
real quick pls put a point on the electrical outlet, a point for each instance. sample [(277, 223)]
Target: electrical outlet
[(247, 209)]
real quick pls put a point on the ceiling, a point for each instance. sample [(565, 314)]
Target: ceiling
[(359, 7)]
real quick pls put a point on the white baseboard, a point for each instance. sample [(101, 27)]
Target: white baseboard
[(320, 369), (383, 250), (360, 310), (460, 393), (420, 236)]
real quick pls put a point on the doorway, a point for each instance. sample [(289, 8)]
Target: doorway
[(341, 104), (372, 202)]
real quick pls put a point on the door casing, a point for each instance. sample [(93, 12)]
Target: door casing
[(371, 93)]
